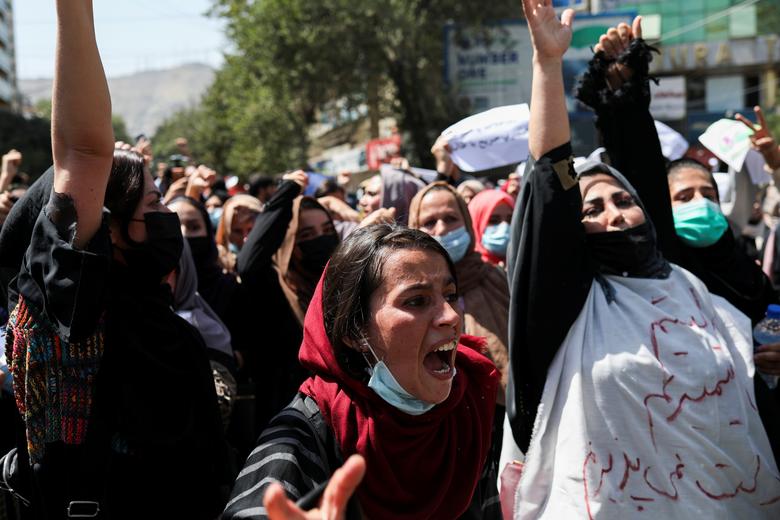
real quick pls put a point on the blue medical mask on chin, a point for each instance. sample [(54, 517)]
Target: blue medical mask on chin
[(496, 238), (699, 223), (456, 243), (384, 384), (214, 216)]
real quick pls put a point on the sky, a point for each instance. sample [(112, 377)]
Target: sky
[(132, 35)]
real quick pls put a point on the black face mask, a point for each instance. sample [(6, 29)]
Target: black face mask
[(203, 248), (631, 252), (317, 251), (159, 255)]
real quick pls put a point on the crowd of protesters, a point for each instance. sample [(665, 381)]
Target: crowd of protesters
[(569, 341)]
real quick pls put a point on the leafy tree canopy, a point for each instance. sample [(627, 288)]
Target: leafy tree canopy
[(295, 57)]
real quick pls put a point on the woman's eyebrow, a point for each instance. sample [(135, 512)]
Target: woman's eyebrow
[(416, 286)]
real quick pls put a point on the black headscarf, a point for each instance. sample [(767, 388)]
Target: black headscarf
[(550, 276), (154, 389), (631, 252), (217, 288), (17, 231)]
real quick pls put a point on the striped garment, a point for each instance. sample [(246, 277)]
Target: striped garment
[(299, 451)]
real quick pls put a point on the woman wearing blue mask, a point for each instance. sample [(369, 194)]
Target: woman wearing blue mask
[(491, 213), (439, 210), (393, 380), (681, 197)]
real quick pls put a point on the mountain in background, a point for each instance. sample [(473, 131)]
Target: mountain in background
[(145, 99)]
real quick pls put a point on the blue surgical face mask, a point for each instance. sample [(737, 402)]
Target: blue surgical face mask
[(699, 223), (496, 238), (214, 216), (233, 248), (385, 385), (456, 243)]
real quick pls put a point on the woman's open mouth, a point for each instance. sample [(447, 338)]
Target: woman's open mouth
[(440, 363)]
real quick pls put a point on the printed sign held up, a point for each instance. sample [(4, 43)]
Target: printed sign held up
[(497, 137), (729, 140)]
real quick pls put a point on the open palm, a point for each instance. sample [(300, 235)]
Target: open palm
[(550, 37)]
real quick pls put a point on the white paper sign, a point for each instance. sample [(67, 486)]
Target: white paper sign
[(729, 140), (673, 145), (491, 139)]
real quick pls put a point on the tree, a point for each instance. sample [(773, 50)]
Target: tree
[(30, 136), (120, 129), (300, 55)]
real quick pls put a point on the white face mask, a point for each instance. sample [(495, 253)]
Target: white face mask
[(385, 385)]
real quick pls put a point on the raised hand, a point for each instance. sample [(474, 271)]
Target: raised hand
[(548, 126), (380, 216), (762, 138), (333, 506), (613, 43), (617, 39), (10, 167), (299, 177), (549, 36)]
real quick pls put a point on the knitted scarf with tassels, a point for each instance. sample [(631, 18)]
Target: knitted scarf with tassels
[(54, 380)]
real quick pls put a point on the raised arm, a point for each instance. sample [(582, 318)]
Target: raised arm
[(548, 127), (82, 136), (549, 275), (617, 87), (270, 229)]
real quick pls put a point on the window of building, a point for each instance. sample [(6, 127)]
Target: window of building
[(752, 91), (723, 93), (696, 89), (742, 22)]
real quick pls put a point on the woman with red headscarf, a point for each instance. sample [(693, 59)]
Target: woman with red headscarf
[(393, 381), (491, 214)]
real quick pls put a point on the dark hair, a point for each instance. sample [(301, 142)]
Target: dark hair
[(311, 203), (686, 162), (200, 207), (258, 182), (125, 187), (328, 187), (355, 271), (674, 167)]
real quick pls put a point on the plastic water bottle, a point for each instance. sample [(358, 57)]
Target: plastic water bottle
[(768, 331)]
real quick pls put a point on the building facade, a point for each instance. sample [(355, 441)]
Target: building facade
[(9, 93), (717, 57)]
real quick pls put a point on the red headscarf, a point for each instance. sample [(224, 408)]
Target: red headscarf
[(481, 207), (418, 467)]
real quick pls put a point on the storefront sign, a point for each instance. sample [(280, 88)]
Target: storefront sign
[(492, 67), (763, 50), (668, 98)]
